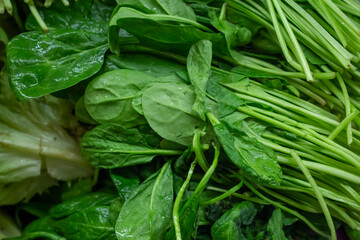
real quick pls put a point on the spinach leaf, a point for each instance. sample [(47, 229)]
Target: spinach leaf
[(42, 63), (255, 160), (108, 97), (170, 7), (125, 181), (91, 223), (40, 228), (115, 96), (85, 15), (146, 214), (168, 109), (80, 203), (155, 66), (113, 145), (82, 114), (233, 223), (160, 31), (199, 67), (235, 35), (275, 225)]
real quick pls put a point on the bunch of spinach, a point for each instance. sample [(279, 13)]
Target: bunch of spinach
[(195, 106)]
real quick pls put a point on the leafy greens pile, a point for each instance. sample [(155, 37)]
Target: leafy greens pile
[(205, 120)]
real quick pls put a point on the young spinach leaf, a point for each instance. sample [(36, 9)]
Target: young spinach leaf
[(147, 213), (168, 109), (199, 67), (108, 97), (113, 145)]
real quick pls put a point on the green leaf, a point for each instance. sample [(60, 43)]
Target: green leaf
[(168, 110), (114, 96), (91, 223), (113, 145), (275, 225), (150, 64), (170, 7), (255, 160), (147, 213), (353, 234), (41, 63), (160, 30), (85, 15), (82, 114), (235, 35), (125, 181), (108, 97), (199, 67), (80, 203), (81, 187), (230, 226)]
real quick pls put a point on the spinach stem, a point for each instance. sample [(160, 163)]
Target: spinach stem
[(344, 123), (286, 209), (238, 195), (178, 201), (37, 16), (299, 52), (198, 151), (317, 193), (224, 195), (347, 107)]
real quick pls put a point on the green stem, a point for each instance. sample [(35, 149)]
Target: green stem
[(293, 212), (280, 37), (344, 123), (317, 193), (347, 107), (198, 151), (238, 195), (37, 16), (224, 195), (178, 201), (299, 52), (323, 142)]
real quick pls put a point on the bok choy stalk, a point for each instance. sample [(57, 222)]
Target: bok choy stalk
[(38, 145)]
